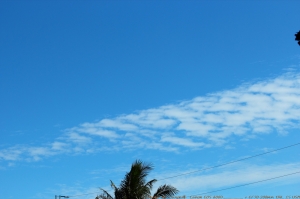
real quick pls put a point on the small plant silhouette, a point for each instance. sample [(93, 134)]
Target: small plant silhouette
[(297, 35)]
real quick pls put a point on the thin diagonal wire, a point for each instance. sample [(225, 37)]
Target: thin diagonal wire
[(230, 162), (210, 167), (247, 184)]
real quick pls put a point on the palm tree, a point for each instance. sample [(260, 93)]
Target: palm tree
[(134, 185)]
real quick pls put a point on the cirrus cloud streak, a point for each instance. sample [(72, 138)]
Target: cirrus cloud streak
[(268, 106)]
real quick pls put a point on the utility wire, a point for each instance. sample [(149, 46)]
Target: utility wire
[(230, 162), (220, 189), (246, 184), (213, 167)]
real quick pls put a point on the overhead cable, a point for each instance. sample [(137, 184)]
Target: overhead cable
[(246, 184), (230, 162)]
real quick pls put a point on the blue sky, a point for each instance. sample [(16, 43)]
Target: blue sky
[(88, 87)]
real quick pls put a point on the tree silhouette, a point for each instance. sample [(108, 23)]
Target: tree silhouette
[(298, 37), (134, 185)]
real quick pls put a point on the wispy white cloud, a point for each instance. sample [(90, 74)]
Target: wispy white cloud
[(77, 138), (181, 141), (11, 154), (30, 153), (268, 106)]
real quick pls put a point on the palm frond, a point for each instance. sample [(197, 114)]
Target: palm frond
[(150, 183), (134, 185), (165, 191), (113, 186), (104, 195)]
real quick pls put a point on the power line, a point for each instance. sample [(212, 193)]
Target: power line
[(212, 167), (230, 162), (247, 184), (220, 189)]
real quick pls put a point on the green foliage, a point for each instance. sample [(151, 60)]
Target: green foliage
[(134, 185)]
